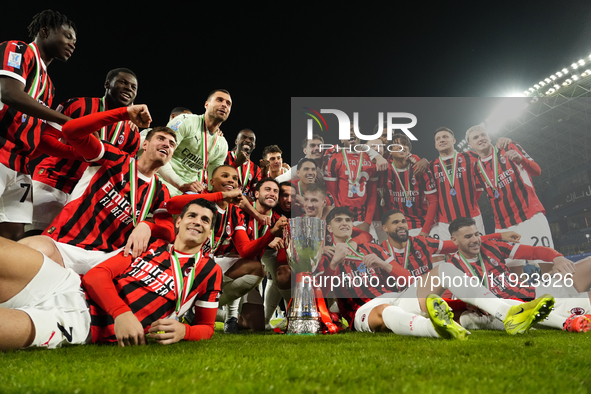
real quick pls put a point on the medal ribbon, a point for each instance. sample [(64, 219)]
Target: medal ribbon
[(255, 224), (35, 91), (357, 256), (118, 127), (244, 179), (358, 175), (133, 186), (400, 181), (469, 269), (495, 170), (182, 289), (452, 180), (214, 246), (204, 151), (406, 252)]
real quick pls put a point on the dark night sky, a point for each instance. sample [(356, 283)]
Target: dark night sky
[(264, 56)]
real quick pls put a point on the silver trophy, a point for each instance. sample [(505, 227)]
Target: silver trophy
[(304, 242)]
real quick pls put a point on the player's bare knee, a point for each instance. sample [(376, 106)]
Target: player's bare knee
[(283, 277), (375, 319), (44, 245)]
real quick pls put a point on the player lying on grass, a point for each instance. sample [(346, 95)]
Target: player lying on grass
[(484, 261), (170, 291), (397, 312)]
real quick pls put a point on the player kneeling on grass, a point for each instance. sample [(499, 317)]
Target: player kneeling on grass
[(170, 292)]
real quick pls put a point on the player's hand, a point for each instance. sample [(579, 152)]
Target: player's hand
[(341, 251), (277, 229), (373, 261), (503, 142), (420, 166), (276, 244), (129, 330), (174, 331), (220, 133), (139, 115), (133, 126), (241, 158), (299, 200), (264, 164), (193, 187), (232, 196), (138, 240), (263, 219), (286, 166), (513, 155), (363, 227), (424, 234), (328, 251), (510, 236), (563, 265), (381, 163)]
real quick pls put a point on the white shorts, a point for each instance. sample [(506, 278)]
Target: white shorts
[(226, 262), (441, 230), (56, 305), (16, 196), (535, 231), (48, 203), (567, 299), (81, 260), (407, 300)]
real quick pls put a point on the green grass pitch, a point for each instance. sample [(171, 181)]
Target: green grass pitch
[(540, 361)]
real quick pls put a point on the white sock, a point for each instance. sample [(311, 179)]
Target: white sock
[(478, 296), (220, 315), (272, 299), (404, 323), (233, 290)]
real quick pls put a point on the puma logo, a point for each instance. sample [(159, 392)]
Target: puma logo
[(51, 336)]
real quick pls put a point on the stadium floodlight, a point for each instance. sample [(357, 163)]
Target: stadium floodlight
[(542, 83), (558, 74), (552, 77), (556, 86), (565, 71), (507, 109), (574, 66), (550, 91), (547, 80), (581, 62), (567, 82), (536, 86), (575, 77), (531, 90), (526, 92)]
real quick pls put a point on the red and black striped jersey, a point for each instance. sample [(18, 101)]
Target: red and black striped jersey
[(248, 174), (63, 174), (493, 254), (256, 230), (415, 187), (463, 200), (420, 250), (227, 222), (20, 133), (147, 286), (98, 215), (358, 190), (349, 295), (517, 199)]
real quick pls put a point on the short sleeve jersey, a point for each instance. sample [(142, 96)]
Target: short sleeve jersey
[(20, 133)]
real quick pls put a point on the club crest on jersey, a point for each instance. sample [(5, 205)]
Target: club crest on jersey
[(228, 229), (460, 159), (577, 311), (413, 181), (363, 318), (121, 139), (503, 160), (494, 262), (418, 254), (188, 271), (14, 60)]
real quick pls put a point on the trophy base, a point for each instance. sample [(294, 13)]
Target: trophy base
[(303, 327)]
